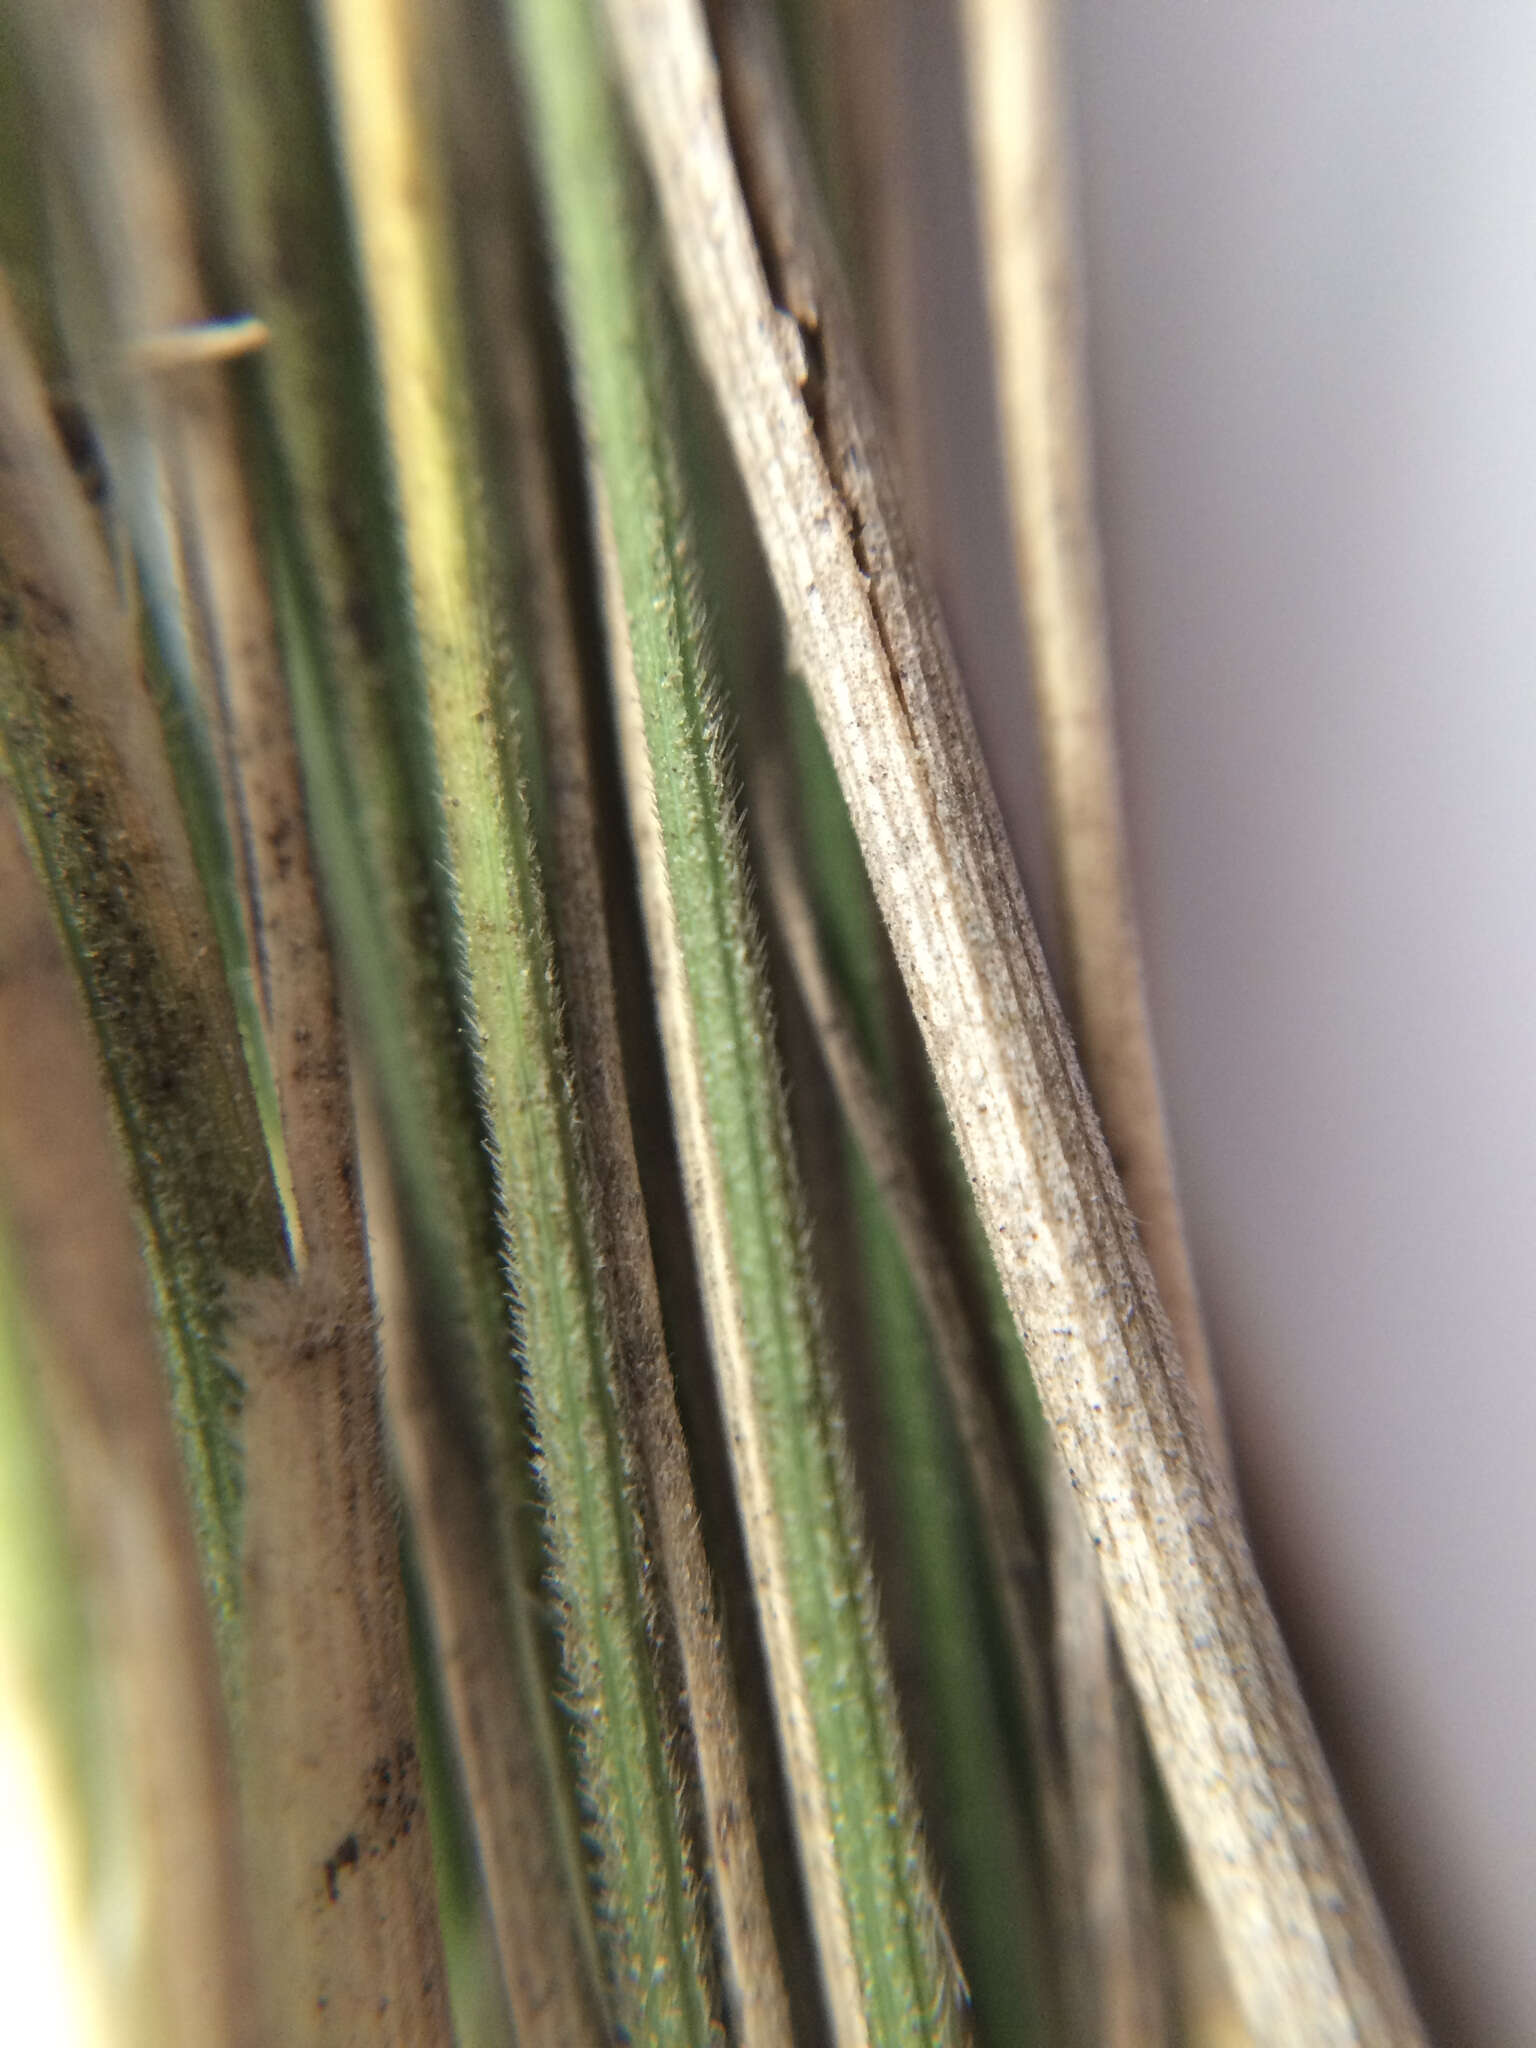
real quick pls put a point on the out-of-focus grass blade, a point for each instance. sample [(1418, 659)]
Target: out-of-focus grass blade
[(327, 1733), (658, 1972), (278, 222), (115, 1622), (130, 325), (481, 2015), (1020, 153), (1020, 150), (85, 756), (863, 1866), (55, 1865)]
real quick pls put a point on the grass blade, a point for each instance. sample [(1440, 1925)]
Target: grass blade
[(1019, 149), (875, 1922), (327, 1734), (152, 1764), (927, 1351), (1303, 1934), (1021, 160), (62, 1822), (688, 1614), (273, 191), (964, 1548), (85, 757), (658, 1975), (1124, 1978), (138, 357)]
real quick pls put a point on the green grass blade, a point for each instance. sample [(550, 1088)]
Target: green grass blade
[(649, 1928), (344, 611), (85, 756), (990, 1884), (966, 1553), (278, 220), (862, 1863), (105, 191), (507, 288)]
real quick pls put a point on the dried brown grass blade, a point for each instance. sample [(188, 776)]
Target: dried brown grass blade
[(1019, 147), (1303, 1935), (1124, 1983)]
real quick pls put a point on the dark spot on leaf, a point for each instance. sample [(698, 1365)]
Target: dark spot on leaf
[(344, 1857)]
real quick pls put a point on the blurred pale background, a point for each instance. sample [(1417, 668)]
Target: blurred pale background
[(1310, 248)]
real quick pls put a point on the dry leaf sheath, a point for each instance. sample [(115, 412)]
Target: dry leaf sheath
[(1018, 144), (1021, 162), (1302, 1933)]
